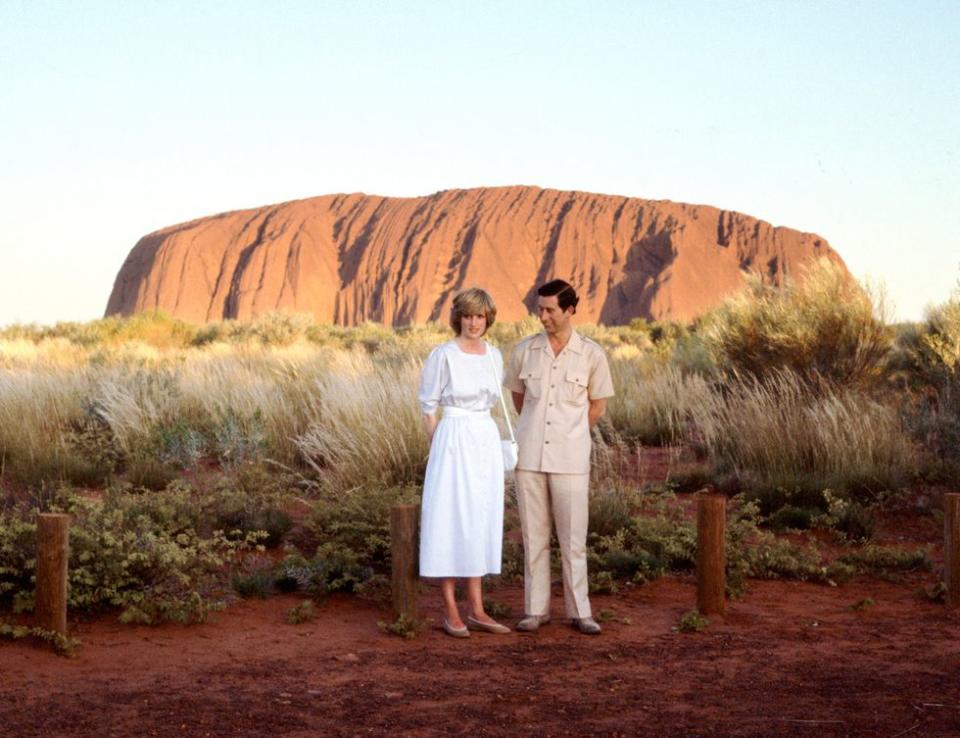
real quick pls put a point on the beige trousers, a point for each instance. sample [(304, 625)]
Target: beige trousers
[(538, 494)]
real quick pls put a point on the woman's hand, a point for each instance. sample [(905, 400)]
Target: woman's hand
[(430, 425)]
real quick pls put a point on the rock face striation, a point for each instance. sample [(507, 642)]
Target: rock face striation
[(347, 259)]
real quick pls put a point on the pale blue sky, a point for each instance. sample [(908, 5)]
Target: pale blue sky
[(118, 118)]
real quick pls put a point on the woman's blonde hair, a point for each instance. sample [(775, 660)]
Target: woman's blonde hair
[(472, 301)]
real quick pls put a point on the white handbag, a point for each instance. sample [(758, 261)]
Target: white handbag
[(511, 450)]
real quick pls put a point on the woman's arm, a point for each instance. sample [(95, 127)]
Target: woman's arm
[(429, 424)]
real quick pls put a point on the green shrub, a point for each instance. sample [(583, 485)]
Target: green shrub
[(256, 584), (659, 537), (238, 440), (928, 367), (692, 622), (790, 517), (887, 562), (147, 554), (655, 537), (941, 337), (823, 326), (611, 508), (61, 644), (358, 522), (18, 544), (852, 520), (332, 569), (755, 553), (249, 500), (403, 627)]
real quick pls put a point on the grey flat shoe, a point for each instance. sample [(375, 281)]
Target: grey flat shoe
[(587, 626), (531, 622), (472, 622), (455, 632)]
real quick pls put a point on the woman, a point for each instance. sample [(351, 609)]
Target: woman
[(461, 525)]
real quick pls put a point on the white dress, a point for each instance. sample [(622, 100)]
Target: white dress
[(461, 520)]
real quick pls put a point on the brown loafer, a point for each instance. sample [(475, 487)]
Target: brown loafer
[(472, 622)]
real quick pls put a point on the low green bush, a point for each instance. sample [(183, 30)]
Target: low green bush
[(255, 584), (659, 537), (637, 537), (61, 644), (152, 555), (250, 500), (332, 569), (692, 622), (887, 562), (357, 522), (790, 517)]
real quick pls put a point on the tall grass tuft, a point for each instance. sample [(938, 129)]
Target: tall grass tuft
[(365, 426), (789, 443), (653, 405), (37, 406)]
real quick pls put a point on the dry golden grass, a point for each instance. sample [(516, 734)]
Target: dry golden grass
[(780, 434), (339, 404)]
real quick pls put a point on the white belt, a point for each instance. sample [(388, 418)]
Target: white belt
[(459, 412)]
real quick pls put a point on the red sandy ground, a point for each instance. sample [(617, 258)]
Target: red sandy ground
[(788, 659)]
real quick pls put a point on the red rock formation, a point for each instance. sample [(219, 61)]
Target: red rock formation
[(351, 258)]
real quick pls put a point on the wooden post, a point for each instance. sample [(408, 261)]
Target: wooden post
[(951, 548), (53, 552), (404, 521), (711, 553)]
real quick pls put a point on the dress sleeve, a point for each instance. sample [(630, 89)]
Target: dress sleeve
[(434, 377)]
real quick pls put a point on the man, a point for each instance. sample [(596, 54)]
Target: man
[(560, 383)]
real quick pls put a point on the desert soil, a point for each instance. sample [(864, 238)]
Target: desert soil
[(789, 659)]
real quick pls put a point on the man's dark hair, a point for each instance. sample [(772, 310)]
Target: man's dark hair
[(566, 295)]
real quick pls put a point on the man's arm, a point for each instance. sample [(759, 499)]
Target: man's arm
[(430, 424), (518, 400), (597, 409)]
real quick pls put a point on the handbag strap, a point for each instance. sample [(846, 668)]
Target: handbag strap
[(503, 402)]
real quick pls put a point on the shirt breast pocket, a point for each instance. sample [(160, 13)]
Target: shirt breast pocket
[(532, 380), (574, 388)]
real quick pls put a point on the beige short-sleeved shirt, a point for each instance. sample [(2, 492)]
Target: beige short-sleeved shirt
[(554, 430)]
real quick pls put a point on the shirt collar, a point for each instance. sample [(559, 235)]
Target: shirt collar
[(575, 344)]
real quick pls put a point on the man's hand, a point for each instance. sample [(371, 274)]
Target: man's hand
[(517, 400), (597, 409)]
